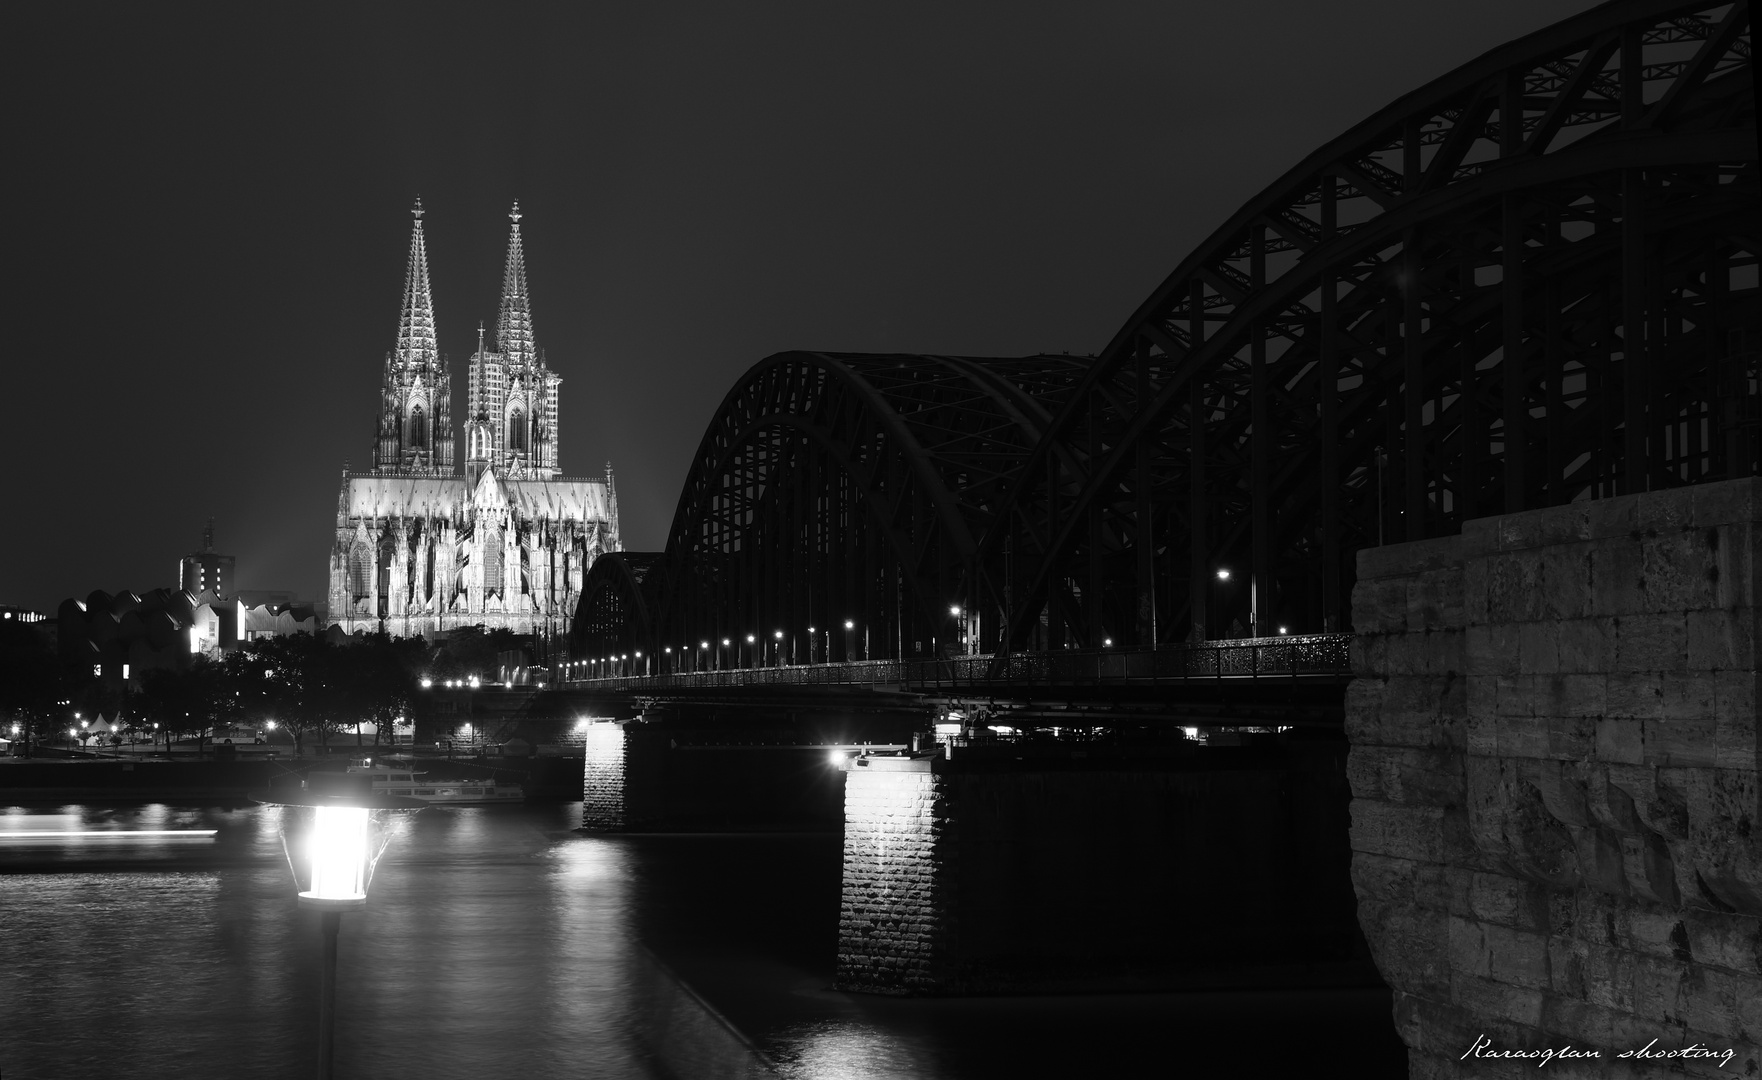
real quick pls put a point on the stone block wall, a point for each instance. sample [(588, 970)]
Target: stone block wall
[(891, 913), (1554, 775), (620, 776)]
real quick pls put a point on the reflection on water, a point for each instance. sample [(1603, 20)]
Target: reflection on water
[(494, 944), (498, 942)]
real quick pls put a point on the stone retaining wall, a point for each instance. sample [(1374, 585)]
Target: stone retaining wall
[(1554, 769)]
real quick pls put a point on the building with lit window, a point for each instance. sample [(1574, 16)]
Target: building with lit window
[(205, 570)]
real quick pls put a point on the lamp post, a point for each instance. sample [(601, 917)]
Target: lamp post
[(333, 832)]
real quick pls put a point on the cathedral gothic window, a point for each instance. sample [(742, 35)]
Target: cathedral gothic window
[(418, 429), (360, 570), (517, 431)]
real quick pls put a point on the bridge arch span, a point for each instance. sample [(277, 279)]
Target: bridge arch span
[(1530, 281), (835, 487)]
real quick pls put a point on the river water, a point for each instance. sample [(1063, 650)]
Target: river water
[(499, 942)]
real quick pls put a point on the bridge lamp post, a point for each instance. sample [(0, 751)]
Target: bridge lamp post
[(811, 644), (1223, 579), (669, 656), (778, 635), (749, 642)]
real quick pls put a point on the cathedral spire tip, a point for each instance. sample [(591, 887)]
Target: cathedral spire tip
[(416, 211), (514, 215)]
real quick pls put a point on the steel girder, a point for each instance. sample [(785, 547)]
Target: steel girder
[(1529, 282), (835, 487), (618, 598)]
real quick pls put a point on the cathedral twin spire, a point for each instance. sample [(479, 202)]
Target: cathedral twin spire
[(416, 331), (511, 405)]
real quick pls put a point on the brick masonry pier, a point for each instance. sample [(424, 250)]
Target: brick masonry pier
[(1176, 866), (1554, 777)]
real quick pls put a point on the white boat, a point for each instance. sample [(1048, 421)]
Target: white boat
[(393, 779)]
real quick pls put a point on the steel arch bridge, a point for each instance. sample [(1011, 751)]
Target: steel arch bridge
[(1531, 281)]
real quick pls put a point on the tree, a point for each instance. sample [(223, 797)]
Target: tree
[(186, 702), (32, 688)]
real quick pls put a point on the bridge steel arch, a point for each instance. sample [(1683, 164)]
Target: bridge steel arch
[(838, 486), (1531, 281), (615, 615)]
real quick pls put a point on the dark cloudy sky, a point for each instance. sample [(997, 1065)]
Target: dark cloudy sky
[(208, 225)]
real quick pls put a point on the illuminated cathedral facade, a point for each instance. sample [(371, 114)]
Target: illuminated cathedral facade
[(501, 540)]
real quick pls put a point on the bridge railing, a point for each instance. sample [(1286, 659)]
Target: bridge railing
[(1283, 657)]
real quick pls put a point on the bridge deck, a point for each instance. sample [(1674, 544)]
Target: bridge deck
[(1308, 659)]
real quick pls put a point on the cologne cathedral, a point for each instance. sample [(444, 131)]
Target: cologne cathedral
[(423, 545)]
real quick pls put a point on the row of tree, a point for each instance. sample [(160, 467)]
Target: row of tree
[(310, 686)]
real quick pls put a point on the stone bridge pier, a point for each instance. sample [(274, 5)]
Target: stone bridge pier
[(1180, 866), (1555, 820)]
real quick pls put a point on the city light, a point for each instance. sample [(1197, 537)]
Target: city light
[(778, 634), (954, 609), (1223, 573), (1107, 641), (427, 682), (849, 625), (1282, 630), (750, 639)]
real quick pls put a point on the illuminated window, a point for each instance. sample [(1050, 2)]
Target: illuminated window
[(418, 428), (517, 430)]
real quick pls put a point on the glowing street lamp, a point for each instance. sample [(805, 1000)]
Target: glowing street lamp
[(333, 832)]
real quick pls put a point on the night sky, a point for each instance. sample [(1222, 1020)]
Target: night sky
[(209, 220)]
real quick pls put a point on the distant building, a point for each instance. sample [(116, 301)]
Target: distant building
[(267, 620), (120, 637), (36, 620), (205, 570)]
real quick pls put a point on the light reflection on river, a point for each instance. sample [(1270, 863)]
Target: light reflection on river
[(498, 942), (494, 944)]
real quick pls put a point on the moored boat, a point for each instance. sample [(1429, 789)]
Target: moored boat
[(395, 779)]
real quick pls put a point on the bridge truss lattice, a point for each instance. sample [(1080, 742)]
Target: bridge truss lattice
[(1533, 280)]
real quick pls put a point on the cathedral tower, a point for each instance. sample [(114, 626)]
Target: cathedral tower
[(415, 421), (511, 396)]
